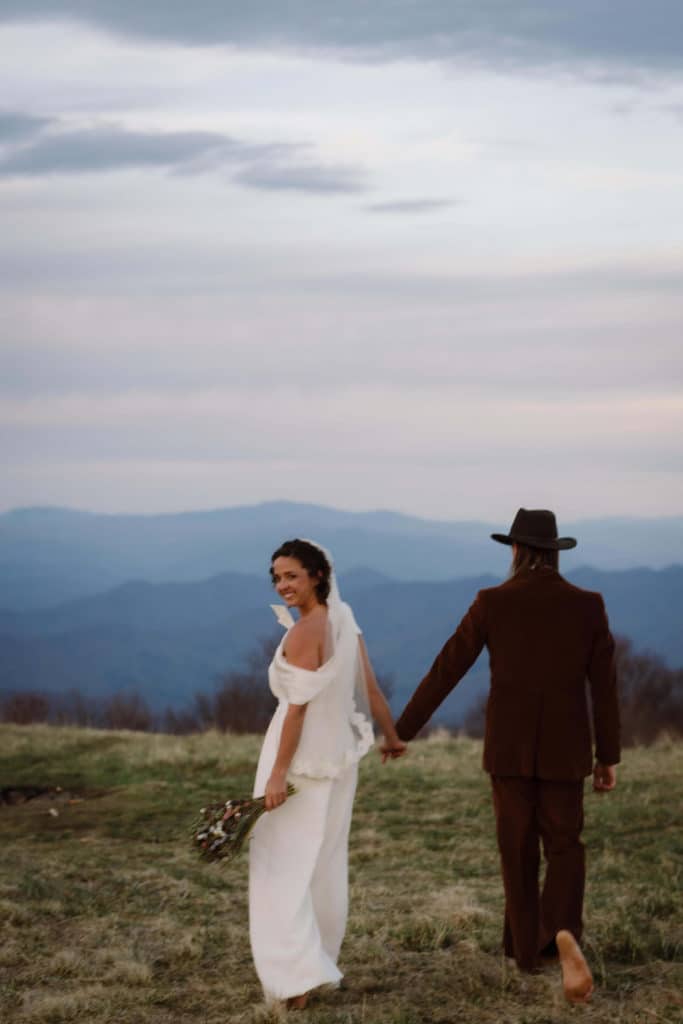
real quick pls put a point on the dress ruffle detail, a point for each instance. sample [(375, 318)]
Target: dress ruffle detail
[(320, 769)]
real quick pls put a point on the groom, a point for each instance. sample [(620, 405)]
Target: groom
[(545, 637)]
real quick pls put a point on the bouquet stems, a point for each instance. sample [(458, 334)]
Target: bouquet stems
[(222, 829)]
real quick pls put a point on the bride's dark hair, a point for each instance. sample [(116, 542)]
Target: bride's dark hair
[(313, 561)]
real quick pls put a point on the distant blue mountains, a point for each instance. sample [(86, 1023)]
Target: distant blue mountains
[(109, 603), (51, 555)]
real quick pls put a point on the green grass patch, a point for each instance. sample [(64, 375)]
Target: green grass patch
[(107, 917)]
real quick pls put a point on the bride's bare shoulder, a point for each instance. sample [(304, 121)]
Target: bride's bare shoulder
[(305, 641)]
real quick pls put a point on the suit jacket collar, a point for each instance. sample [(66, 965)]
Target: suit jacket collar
[(544, 574)]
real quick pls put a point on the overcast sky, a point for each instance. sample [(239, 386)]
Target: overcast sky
[(419, 256)]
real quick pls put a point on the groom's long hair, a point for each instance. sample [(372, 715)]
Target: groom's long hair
[(533, 558)]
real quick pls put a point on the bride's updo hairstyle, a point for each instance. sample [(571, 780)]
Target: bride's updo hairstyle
[(313, 561)]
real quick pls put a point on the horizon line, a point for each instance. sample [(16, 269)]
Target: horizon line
[(214, 509)]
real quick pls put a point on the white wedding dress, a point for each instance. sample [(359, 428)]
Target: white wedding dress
[(298, 868)]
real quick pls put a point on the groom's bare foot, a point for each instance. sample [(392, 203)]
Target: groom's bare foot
[(298, 1002), (577, 979)]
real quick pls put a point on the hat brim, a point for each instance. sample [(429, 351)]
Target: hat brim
[(545, 543)]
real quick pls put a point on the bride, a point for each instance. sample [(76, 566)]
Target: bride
[(327, 693)]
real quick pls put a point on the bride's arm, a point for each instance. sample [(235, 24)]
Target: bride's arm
[(304, 645), (276, 787), (391, 746)]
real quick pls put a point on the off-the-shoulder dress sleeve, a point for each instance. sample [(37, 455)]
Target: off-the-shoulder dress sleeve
[(302, 685)]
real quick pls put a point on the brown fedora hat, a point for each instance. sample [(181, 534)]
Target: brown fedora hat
[(537, 528)]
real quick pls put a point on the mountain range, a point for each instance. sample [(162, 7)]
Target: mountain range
[(169, 640), (51, 555)]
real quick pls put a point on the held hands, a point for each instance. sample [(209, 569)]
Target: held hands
[(604, 777), (276, 790), (392, 747)]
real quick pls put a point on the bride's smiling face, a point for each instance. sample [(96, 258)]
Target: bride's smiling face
[(293, 583)]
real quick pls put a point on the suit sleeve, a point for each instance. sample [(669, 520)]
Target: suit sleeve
[(456, 656), (602, 677)]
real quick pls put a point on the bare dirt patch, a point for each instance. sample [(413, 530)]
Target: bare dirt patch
[(51, 799)]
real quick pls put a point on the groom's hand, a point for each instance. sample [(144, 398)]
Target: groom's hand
[(395, 748), (604, 777)]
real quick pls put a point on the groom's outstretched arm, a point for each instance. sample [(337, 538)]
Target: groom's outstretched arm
[(457, 655)]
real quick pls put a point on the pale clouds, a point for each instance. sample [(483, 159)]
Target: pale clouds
[(478, 335), (410, 206), (275, 166), (626, 35), (16, 126), (312, 264), (226, 424)]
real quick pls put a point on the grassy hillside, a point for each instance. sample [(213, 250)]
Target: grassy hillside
[(108, 918)]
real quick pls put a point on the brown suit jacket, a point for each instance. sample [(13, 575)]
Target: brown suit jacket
[(545, 637)]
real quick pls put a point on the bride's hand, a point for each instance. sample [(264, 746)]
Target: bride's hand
[(276, 790), (395, 748)]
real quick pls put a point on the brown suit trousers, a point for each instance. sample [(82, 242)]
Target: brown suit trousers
[(528, 810)]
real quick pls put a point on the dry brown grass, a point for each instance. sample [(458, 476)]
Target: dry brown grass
[(106, 917)]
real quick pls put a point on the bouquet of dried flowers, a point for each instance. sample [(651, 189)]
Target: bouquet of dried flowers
[(221, 830)]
